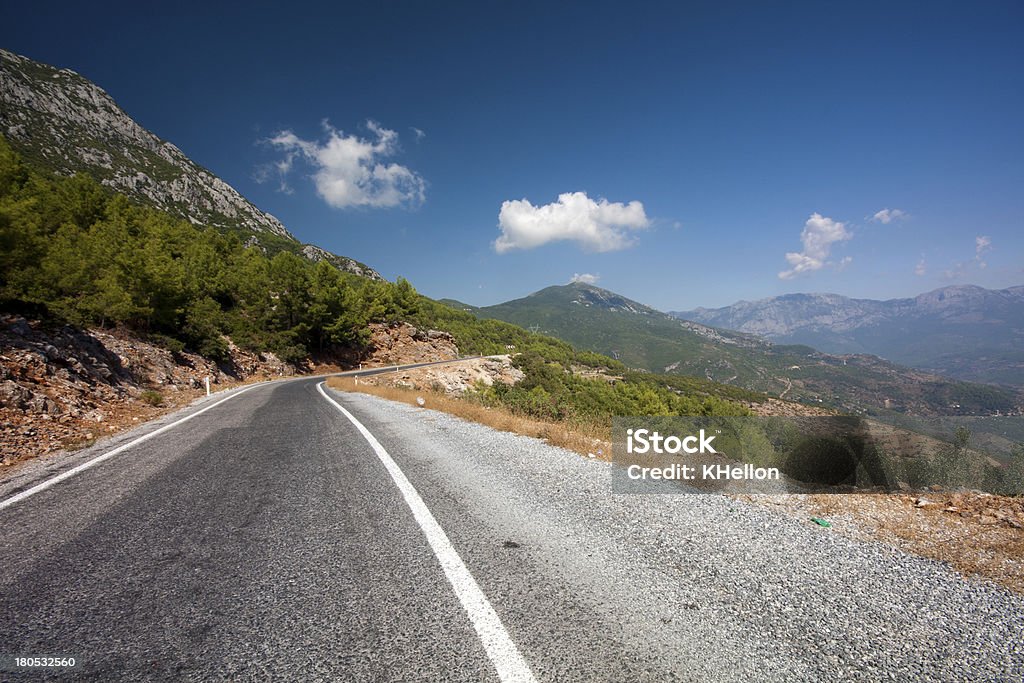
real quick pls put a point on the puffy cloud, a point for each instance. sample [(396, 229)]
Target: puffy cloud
[(921, 268), (351, 171), (596, 226), (818, 236), (886, 216), (585, 278)]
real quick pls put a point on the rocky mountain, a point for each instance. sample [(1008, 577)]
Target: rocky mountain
[(599, 320), (962, 331), (64, 123)]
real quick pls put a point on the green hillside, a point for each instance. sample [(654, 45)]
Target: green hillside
[(641, 337), (74, 252)]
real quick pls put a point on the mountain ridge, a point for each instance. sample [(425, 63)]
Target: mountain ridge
[(642, 337), (964, 331), (65, 123)]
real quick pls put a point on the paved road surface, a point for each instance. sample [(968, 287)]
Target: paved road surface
[(264, 539)]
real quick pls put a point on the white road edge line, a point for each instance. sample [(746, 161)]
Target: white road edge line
[(109, 454), (496, 641)]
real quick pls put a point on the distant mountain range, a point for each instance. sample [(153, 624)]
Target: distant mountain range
[(599, 320), (963, 331), (62, 122)]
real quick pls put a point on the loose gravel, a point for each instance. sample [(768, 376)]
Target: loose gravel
[(686, 586)]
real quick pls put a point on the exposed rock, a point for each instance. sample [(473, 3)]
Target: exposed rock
[(74, 125), (401, 343), (317, 254), (65, 122), (455, 378), (60, 385), (57, 382)]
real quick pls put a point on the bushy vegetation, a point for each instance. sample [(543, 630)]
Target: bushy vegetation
[(644, 338), (552, 390), (151, 397), (960, 466), (487, 337), (74, 250)]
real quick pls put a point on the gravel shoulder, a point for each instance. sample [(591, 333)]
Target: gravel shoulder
[(685, 587)]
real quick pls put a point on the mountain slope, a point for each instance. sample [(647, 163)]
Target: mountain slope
[(966, 332), (59, 121), (640, 336)]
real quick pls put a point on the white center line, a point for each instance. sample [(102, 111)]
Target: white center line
[(496, 641), (109, 454)]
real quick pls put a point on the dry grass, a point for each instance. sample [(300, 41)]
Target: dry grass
[(991, 551), (585, 438), (942, 528)]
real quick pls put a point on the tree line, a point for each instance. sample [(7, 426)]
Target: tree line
[(71, 249), (77, 252)]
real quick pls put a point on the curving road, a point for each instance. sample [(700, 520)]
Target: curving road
[(268, 539)]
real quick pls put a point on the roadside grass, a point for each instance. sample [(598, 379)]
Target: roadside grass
[(588, 438), (970, 546), (977, 534), (152, 398)]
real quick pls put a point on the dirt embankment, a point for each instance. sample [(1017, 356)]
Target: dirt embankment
[(453, 379), (62, 388), (401, 343)]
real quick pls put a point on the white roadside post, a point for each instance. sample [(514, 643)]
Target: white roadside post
[(206, 380)]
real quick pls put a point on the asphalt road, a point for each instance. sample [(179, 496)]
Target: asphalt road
[(266, 539)]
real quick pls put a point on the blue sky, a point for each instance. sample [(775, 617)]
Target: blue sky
[(675, 151)]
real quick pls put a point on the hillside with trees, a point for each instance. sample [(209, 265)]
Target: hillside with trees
[(75, 253)]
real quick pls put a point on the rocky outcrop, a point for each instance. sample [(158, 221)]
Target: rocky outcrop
[(454, 378), (317, 254), (59, 120), (71, 124), (63, 386), (401, 343)]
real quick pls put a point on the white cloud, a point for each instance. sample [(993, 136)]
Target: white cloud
[(418, 133), (585, 278), (350, 171), (596, 226), (982, 244), (921, 268), (818, 236), (886, 216)]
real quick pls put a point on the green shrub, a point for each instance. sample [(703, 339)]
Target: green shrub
[(151, 397)]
